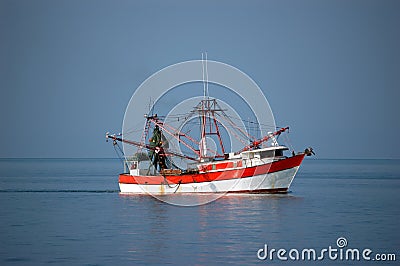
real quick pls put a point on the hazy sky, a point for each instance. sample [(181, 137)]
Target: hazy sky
[(330, 69)]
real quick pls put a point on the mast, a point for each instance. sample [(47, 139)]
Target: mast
[(203, 117), (209, 112)]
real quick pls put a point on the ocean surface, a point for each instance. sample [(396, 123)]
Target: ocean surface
[(70, 212)]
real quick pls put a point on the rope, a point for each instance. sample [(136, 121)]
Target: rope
[(243, 132), (287, 140), (115, 143), (179, 184), (176, 186)]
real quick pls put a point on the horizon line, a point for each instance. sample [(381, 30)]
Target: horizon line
[(82, 158)]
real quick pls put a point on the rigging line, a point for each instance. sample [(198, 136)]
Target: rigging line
[(132, 131), (172, 163), (187, 116), (172, 144), (287, 140), (148, 169), (198, 143), (257, 129), (151, 106), (235, 135), (175, 132), (176, 149), (188, 131), (115, 143), (195, 122), (162, 126), (192, 125), (246, 135), (144, 135), (251, 122), (181, 115)]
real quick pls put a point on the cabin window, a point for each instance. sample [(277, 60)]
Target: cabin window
[(278, 152), (267, 154)]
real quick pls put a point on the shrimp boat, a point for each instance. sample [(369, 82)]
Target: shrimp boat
[(261, 166)]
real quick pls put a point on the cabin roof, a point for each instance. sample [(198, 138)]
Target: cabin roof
[(267, 149)]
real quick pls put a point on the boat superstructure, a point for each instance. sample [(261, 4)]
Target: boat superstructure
[(256, 168)]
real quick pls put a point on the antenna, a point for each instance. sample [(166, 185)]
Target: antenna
[(204, 81), (248, 126), (206, 75), (150, 106)]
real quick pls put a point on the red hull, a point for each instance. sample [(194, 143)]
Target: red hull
[(215, 175)]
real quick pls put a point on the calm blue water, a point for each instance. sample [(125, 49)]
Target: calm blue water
[(69, 212)]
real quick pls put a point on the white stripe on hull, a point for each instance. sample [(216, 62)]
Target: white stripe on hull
[(272, 181)]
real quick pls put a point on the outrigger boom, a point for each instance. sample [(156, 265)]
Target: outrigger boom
[(254, 144), (143, 145)]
